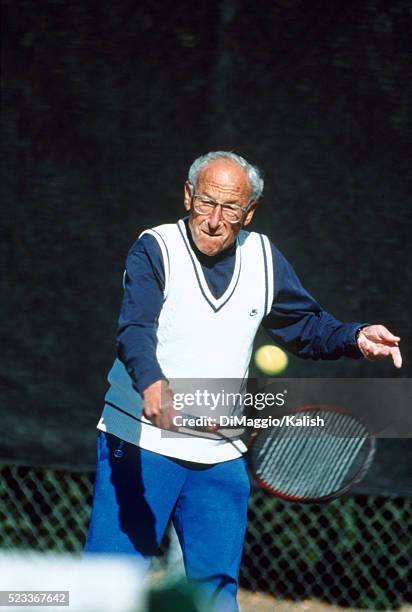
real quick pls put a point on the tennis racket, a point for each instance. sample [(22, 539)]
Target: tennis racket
[(310, 464)]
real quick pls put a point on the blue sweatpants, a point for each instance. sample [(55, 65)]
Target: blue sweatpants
[(137, 491)]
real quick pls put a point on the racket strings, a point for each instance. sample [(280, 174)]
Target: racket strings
[(309, 463), (271, 450), (340, 469), (346, 448), (289, 462)]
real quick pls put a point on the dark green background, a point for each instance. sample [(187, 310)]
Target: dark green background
[(106, 104)]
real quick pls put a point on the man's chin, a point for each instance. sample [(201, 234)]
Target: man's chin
[(209, 250), (210, 246)]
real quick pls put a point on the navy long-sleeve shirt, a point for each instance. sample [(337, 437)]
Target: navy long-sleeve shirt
[(296, 321)]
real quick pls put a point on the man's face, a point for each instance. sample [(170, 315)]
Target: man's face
[(226, 183)]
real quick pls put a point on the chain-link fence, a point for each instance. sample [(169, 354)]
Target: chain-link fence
[(355, 551)]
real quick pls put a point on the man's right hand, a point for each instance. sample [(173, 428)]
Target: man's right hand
[(158, 404)]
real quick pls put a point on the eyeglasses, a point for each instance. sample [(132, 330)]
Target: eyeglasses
[(232, 213)]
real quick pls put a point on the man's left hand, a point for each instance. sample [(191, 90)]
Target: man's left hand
[(376, 342)]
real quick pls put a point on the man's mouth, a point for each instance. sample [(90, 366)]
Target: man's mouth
[(214, 235)]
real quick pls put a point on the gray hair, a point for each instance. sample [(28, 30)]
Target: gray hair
[(253, 173)]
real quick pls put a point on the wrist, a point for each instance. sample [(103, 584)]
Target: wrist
[(153, 385), (358, 331)]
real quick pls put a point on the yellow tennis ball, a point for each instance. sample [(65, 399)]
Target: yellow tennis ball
[(271, 359)]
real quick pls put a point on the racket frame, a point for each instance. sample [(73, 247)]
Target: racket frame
[(357, 477)]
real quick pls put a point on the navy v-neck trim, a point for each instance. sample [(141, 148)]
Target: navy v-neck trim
[(215, 303), (265, 263)]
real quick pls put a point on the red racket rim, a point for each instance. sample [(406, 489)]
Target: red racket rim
[(357, 476)]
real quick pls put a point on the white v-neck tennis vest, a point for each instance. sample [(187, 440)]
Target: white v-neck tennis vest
[(198, 336)]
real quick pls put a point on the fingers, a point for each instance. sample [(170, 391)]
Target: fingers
[(158, 405), (376, 342), (379, 333), (212, 428), (162, 417), (167, 419), (387, 336), (386, 351), (373, 351), (396, 357)]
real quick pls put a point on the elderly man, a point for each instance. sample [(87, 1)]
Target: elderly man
[(195, 293)]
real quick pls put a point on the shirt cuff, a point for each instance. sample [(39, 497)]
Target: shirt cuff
[(351, 346), (148, 379)]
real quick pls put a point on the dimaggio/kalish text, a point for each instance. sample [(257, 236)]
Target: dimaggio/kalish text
[(293, 420)]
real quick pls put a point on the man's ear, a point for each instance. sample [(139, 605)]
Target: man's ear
[(187, 196), (249, 215)]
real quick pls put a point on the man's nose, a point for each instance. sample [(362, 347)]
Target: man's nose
[(215, 217)]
